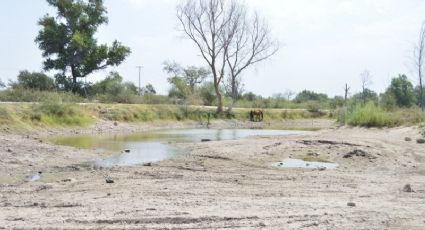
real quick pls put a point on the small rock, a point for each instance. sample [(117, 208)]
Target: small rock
[(420, 141), (9, 150), (351, 204), (43, 187), (358, 153), (205, 140), (408, 188), (149, 164), (116, 123), (262, 224), (321, 168), (127, 150), (109, 180), (408, 139), (68, 180)]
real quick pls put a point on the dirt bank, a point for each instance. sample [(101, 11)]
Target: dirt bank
[(227, 184)]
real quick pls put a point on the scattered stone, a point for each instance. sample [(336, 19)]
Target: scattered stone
[(149, 164), (408, 188), (351, 204), (408, 139), (262, 224), (68, 180), (321, 168), (313, 154), (358, 153), (127, 150), (109, 180), (9, 150), (420, 141), (43, 187), (205, 140), (116, 123)]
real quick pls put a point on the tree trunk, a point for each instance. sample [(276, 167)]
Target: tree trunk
[(421, 95), (421, 89), (219, 98), (232, 104), (217, 89), (74, 80)]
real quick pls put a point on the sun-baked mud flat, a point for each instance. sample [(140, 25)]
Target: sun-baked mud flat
[(223, 184)]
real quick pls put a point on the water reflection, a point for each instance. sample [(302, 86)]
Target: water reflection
[(154, 146)]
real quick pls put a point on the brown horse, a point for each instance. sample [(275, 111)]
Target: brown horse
[(256, 115)]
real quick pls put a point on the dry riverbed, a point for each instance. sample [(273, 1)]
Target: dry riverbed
[(219, 184)]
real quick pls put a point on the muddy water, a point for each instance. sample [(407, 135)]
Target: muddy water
[(156, 145)]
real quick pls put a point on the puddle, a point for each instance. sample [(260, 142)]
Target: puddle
[(297, 163), (155, 145)]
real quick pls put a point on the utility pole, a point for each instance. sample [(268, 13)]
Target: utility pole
[(140, 70)]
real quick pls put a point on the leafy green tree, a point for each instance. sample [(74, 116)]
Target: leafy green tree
[(207, 93), (148, 89), (179, 88), (131, 87), (68, 43), (418, 96), (366, 95), (250, 96), (388, 101), (111, 85), (401, 89), (307, 95), (2, 85), (34, 80), (337, 102), (193, 76)]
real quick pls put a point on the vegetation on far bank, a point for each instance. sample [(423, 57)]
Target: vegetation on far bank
[(55, 113), (115, 100)]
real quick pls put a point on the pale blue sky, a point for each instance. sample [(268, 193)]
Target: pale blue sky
[(324, 43)]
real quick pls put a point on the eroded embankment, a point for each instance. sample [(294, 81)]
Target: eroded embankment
[(226, 184)]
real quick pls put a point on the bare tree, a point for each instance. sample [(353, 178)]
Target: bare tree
[(346, 91), (288, 94), (366, 79), (234, 87), (419, 56), (204, 22), (251, 43)]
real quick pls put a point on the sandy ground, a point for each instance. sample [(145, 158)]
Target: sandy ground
[(219, 185)]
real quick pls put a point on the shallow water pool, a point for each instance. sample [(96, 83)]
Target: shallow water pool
[(297, 163), (155, 145)]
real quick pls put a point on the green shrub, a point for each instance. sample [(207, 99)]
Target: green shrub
[(25, 95), (58, 114), (370, 115)]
